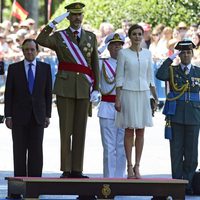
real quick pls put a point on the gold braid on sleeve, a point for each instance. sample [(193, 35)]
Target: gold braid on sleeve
[(182, 89)]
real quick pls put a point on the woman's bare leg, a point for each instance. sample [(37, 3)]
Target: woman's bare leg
[(139, 143), (128, 145)]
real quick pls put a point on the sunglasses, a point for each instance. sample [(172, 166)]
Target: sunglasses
[(182, 28)]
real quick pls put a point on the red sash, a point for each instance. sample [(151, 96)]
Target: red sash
[(108, 98), (75, 68)]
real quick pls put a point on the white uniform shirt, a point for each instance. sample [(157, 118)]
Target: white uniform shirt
[(107, 109)]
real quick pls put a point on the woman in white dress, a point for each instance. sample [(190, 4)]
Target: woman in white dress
[(134, 81)]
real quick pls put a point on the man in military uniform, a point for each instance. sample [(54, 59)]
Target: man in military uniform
[(182, 109), (76, 84), (114, 160)]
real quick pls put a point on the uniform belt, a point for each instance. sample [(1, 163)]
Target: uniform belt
[(75, 68), (108, 98), (170, 106), (189, 96)]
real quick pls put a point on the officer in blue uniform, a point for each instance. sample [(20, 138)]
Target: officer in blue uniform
[(182, 109)]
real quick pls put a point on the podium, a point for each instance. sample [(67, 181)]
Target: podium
[(103, 188)]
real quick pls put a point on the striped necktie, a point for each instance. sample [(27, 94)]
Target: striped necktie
[(30, 78)]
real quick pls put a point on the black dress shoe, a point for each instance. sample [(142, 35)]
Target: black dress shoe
[(14, 196), (65, 175), (189, 192), (86, 197), (75, 174)]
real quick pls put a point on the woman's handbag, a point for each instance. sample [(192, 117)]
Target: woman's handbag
[(152, 103)]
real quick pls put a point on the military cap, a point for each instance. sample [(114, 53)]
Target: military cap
[(114, 37), (76, 7), (185, 45)]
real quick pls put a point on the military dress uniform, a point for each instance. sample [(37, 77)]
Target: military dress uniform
[(72, 88), (182, 109), (114, 160)]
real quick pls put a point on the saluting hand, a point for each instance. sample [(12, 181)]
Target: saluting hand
[(173, 56), (58, 19)]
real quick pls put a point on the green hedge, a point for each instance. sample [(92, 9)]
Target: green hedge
[(168, 12)]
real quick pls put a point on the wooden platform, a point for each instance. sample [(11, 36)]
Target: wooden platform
[(101, 187)]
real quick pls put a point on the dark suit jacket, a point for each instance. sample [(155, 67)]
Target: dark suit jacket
[(187, 112), (19, 103)]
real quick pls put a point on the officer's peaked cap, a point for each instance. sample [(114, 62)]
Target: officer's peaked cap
[(114, 37), (76, 7), (185, 45)]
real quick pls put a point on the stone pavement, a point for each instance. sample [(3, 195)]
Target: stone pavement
[(155, 159)]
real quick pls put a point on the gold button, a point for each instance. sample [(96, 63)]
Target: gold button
[(77, 73)]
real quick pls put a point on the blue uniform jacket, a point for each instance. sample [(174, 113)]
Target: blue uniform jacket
[(187, 110)]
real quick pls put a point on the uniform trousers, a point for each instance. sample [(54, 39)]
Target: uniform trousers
[(114, 160), (28, 148), (73, 114), (184, 151)]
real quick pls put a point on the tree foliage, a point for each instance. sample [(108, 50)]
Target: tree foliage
[(168, 12)]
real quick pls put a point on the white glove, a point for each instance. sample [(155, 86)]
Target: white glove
[(173, 56), (58, 19), (95, 97)]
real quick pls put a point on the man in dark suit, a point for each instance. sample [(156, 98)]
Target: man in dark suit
[(28, 96), (182, 110), (76, 84)]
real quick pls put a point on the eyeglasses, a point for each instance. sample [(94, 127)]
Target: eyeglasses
[(182, 28)]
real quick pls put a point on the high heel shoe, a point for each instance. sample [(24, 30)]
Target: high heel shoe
[(136, 171), (130, 172)]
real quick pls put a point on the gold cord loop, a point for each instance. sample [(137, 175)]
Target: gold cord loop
[(182, 89), (107, 79)]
